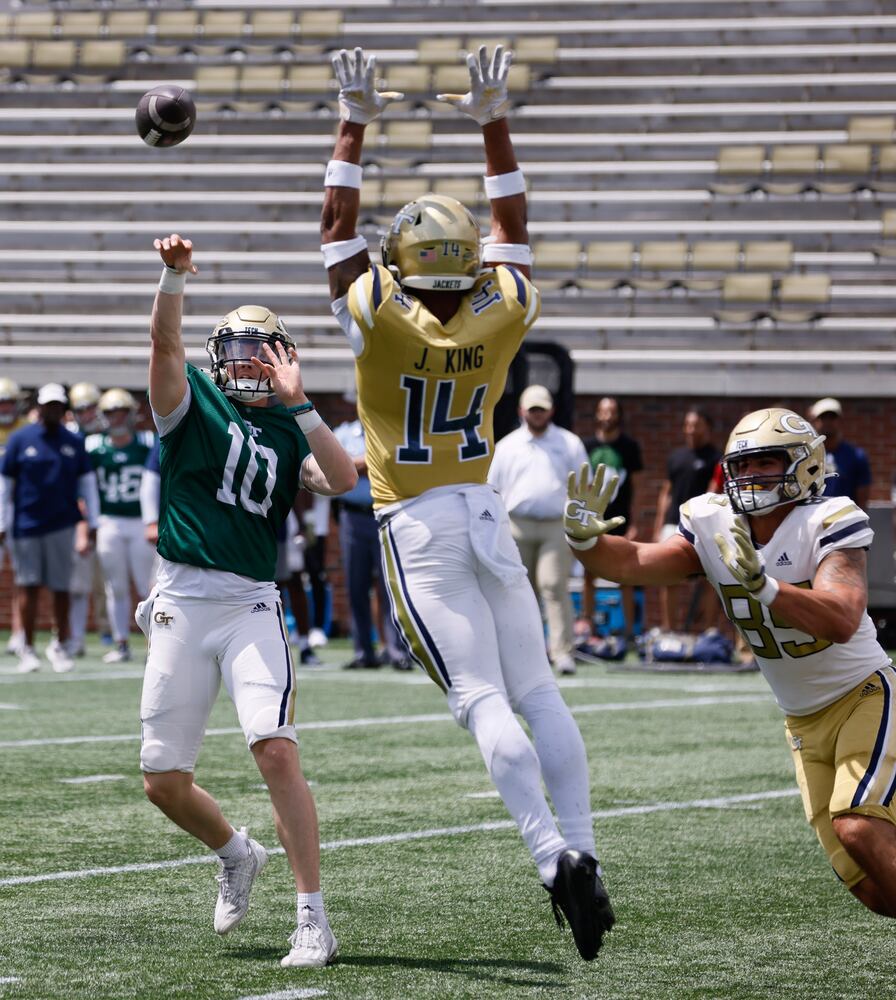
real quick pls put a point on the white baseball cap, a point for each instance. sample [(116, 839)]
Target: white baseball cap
[(52, 392), (826, 405), (536, 396)]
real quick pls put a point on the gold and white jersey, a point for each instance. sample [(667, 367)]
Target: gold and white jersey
[(805, 673), (427, 392)]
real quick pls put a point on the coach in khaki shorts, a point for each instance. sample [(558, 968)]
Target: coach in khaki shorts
[(45, 473)]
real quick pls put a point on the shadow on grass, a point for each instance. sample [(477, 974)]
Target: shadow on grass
[(502, 970)]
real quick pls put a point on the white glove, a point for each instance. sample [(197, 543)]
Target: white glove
[(584, 519), (745, 564), (359, 100), (487, 100)]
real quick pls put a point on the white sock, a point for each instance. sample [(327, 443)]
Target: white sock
[(315, 902), (513, 767), (235, 850), (564, 765)]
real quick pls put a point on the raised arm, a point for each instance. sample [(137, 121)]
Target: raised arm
[(487, 103), (345, 253), (167, 379), (612, 556)]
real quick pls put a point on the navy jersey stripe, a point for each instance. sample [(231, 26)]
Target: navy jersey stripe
[(878, 750), (520, 285), (284, 701), (377, 290), (689, 535), (850, 529), (424, 631)]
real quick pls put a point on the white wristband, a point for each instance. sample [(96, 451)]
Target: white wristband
[(341, 173), (507, 253), (767, 592), (340, 250), (172, 282), (588, 543), (308, 421), (504, 185)]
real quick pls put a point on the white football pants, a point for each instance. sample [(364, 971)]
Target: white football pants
[(125, 556)]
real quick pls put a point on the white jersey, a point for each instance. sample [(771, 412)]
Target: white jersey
[(805, 673)]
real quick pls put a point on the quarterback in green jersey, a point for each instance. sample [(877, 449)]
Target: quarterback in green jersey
[(236, 445)]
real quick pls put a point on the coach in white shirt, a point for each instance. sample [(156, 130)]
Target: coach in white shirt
[(530, 472)]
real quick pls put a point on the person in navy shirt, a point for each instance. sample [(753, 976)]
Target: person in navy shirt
[(44, 474), (847, 469)]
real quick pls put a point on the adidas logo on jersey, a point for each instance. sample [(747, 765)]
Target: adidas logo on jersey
[(869, 688), (486, 515), (783, 560), (261, 606)]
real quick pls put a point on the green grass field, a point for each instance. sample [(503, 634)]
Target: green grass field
[(720, 889)]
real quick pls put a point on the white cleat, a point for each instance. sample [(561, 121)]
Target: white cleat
[(313, 945), (565, 665), (234, 885), (58, 656), (29, 661), (16, 644), (122, 654), (317, 638)]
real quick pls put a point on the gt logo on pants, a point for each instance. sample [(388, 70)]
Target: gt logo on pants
[(161, 618)]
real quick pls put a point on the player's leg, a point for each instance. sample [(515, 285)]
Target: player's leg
[(112, 552), (862, 809), (553, 568), (441, 612), (257, 669), (58, 556), (358, 569)]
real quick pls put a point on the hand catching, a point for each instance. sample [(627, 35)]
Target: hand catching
[(586, 503), (359, 100), (742, 560), (487, 99), (284, 373)]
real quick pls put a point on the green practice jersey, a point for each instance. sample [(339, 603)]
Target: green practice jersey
[(229, 475), (119, 471)]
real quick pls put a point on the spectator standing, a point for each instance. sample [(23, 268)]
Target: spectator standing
[(316, 525), (847, 469), (11, 419), (529, 471), (126, 557), (45, 472), (612, 447), (689, 470), (359, 541)]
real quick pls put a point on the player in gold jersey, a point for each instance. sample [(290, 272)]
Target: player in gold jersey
[(789, 567), (434, 328)]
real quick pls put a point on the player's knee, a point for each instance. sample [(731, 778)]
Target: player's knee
[(853, 830), (165, 790), (158, 758)]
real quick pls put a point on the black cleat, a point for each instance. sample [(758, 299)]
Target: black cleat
[(579, 895)]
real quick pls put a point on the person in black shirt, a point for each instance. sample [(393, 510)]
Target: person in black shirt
[(612, 447), (688, 472)]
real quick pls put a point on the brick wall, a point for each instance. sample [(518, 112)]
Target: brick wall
[(655, 422)]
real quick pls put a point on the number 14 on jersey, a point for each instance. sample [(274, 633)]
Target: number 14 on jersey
[(415, 449)]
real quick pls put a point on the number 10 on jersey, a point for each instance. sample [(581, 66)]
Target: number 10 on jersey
[(414, 450)]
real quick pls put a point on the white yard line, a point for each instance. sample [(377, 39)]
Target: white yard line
[(5, 706), (89, 779), (403, 720), (297, 994), (721, 802)]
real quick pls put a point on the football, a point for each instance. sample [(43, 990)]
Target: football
[(165, 115)]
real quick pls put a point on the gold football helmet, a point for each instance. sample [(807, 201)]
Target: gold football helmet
[(117, 399), (433, 242), (83, 394), (773, 432), (234, 341), (10, 401)]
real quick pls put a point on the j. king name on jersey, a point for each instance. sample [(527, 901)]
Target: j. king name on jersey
[(453, 360)]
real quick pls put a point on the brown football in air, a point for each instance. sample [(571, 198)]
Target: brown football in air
[(165, 115)]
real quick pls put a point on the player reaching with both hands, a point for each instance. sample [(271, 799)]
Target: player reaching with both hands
[(434, 329), (789, 567)]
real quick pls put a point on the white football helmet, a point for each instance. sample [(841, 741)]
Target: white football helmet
[(773, 432), (434, 243), (237, 338), (10, 401)]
